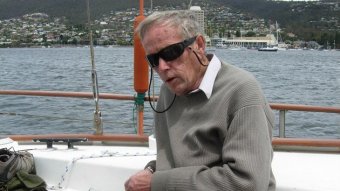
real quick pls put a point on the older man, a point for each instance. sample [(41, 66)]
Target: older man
[(212, 123)]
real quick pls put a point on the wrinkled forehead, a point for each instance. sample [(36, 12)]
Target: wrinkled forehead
[(164, 27), (159, 37), (184, 21)]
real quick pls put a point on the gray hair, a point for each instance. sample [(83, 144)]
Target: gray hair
[(184, 20)]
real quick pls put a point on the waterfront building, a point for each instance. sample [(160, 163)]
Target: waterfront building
[(199, 14), (248, 42)]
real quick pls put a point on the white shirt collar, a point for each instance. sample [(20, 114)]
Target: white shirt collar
[(209, 77)]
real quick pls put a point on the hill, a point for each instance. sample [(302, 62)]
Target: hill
[(282, 11), (309, 20), (75, 10)]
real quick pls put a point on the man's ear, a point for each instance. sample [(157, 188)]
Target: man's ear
[(200, 44)]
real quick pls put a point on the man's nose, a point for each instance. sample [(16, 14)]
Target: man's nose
[(163, 65)]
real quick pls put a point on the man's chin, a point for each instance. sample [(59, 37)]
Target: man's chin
[(177, 92)]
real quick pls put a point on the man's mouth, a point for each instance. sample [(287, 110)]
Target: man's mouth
[(169, 80)]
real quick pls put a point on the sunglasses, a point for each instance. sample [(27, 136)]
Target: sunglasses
[(170, 52)]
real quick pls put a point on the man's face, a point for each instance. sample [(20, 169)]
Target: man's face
[(182, 74)]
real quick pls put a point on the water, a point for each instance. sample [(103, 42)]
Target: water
[(294, 77)]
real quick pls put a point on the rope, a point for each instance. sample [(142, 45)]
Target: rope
[(97, 117), (102, 154)]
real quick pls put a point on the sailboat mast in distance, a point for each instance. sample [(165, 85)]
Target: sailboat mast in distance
[(189, 4)]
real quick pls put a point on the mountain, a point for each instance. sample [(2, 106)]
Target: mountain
[(75, 9), (72, 9), (281, 11), (288, 12), (310, 20)]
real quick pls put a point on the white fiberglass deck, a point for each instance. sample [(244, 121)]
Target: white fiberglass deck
[(105, 168), (306, 171)]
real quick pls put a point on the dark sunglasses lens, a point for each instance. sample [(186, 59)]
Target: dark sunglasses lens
[(172, 52), (153, 59), (169, 53)]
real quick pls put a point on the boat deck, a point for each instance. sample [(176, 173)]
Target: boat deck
[(306, 171), (102, 168), (92, 168)]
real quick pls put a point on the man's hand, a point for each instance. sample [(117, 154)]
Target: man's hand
[(141, 181)]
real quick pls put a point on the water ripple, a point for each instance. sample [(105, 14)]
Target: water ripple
[(295, 77)]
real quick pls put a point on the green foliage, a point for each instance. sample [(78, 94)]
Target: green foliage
[(238, 33), (250, 34), (74, 10), (307, 20)]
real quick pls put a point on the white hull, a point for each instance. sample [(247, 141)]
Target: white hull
[(269, 49), (106, 168)]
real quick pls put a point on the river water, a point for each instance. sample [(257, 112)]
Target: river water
[(292, 76)]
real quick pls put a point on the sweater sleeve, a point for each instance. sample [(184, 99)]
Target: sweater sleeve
[(246, 159)]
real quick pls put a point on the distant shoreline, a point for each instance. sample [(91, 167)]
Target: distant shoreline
[(124, 46), (68, 46)]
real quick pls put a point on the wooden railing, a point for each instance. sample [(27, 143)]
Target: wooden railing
[(282, 108)]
